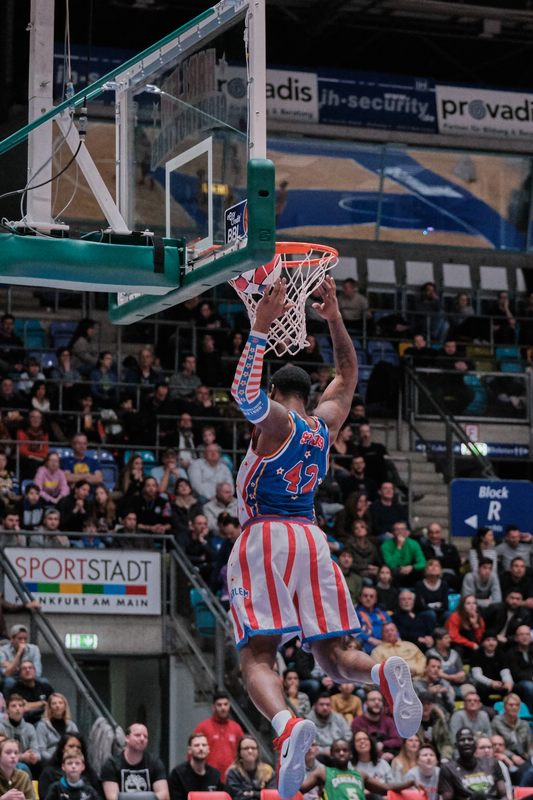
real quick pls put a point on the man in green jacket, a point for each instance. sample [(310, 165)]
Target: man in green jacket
[(403, 555)]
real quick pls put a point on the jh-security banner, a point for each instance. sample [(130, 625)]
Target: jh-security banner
[(89, 582), (467, 111), (369, 100)]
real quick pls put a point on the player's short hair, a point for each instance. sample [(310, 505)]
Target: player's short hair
[(292, 380)]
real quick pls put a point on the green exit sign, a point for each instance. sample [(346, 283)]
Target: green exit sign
[(81, 641)]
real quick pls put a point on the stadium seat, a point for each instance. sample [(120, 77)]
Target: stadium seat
[(381, 350), (523, 713), (63, 452), (522, 791), (61, 332), (325, 347), (453, 601), (110, 475), (507, 353), (406, 794), (147, 456), (47, 359), (208, 796), (273, 794), (510, 366), (26, 482), (204, 620)]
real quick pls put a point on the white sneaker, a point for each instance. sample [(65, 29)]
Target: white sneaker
[(397, 687), (296, 739)]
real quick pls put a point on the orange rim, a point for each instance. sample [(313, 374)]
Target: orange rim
[(297, 248)]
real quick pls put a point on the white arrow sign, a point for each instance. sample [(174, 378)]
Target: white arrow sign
[(472, 521)]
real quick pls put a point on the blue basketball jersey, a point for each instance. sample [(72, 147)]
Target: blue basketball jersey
[(283, 484)]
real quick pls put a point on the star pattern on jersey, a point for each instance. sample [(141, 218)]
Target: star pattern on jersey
[(279, 471), (307, 454)]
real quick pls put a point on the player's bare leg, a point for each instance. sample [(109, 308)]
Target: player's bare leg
[(393, 677), (264, 685)]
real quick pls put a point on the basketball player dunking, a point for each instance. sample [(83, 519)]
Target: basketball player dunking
[(281, 578)]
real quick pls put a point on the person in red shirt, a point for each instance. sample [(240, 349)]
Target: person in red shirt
[(222, 733)]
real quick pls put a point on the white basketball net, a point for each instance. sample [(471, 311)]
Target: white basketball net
[(304, 267)]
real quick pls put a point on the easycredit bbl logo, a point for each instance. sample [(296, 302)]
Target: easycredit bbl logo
[(481, 112)]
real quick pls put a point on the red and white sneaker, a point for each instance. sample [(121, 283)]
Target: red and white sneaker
[(296, 739), (396, 686)]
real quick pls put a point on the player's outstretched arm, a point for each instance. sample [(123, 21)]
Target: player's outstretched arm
[(315, 778), (337, 398), (254, 403)]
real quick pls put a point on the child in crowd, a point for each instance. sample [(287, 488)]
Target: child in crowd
[(71, 785)]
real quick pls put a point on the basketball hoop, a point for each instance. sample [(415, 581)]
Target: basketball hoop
[(304, 267)]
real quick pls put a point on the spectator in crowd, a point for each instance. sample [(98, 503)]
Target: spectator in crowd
[(144, 371), (515, 544), (520, 661), (104, 381), (482, 545), (89, 539), (12, 654), (366, 758), (505, 618), (371, 617), (134, 770), (416, 627), (51, 480), (206, 472), (197, 548), (222, 734), (434, 728), (157, 413), (248, 775), (15, 783), (223, 501), (168, 472), (10, 532), (11, 346), (31, 373), (429, 313), (515, 731), (433, 682), (40, 399), (497, 751), (72, 785), (90, 421), (126, 537), (183, 440), (33, 442), (14, 726), (230, 530), (202, 406), (449, 386), (380, 725), (342, 452), (77, 507), (83, 347), (471, 716), (466, 626), (132, 476), (10, 403), (379, 466), (104, 510), (386, 510), (483, 584), (152, 509), (68, 743), (388, 594), (469, 777), (184, 508), (347, 703), (35, 691), (355, 509), (65, 374), (195, 774), (321, 776), (403, 555), (31, 508), (5, 606), (518, 577), (504, 322), (186, 380), (353, 579), (419, 354), (392, 645), (406, 758), (366, 555), (81, 464), (451, 664), (446, 553), (298, 701), (209, 364), (426, 773), (432, 592), (462, 311), (355, 479), (49, 533), (9, 483), (353, 305), (56, 722), (489, 670), (329, 725)]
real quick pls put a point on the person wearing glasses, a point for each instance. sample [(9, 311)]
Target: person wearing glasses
[(248, 775)]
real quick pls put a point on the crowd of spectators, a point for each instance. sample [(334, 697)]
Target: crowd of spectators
[(463, 625)]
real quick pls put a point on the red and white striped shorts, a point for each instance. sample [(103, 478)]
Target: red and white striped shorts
[(282, 580)]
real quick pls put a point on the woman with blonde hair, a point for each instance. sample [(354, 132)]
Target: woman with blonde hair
[(56, 722), (406, 758), (247, 776), (13, 780)]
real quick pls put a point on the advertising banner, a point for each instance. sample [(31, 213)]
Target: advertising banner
[(465, 110), (89, 581)]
